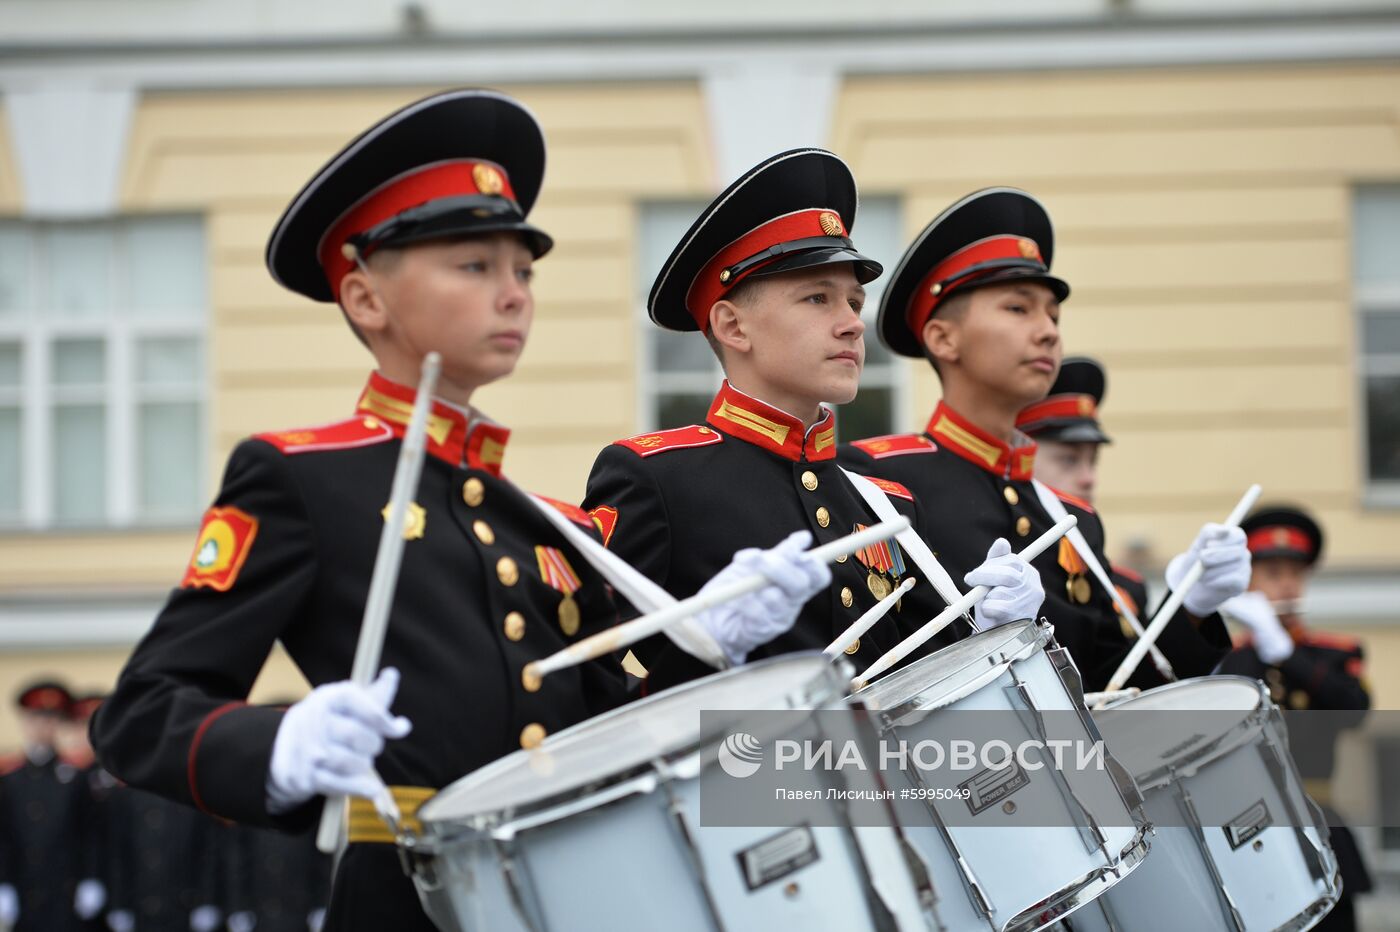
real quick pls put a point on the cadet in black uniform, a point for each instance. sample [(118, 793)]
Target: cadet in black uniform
[(974, 295), (92, 788), (39, 818), (1065, 427), (769, 275), (418, 230), (1304, 670)]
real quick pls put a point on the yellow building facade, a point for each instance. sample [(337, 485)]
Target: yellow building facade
[(1204, 218)]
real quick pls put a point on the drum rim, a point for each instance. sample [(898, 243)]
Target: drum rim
[(1233, 737), (491, 819), (1094, 883), (1029, 636)]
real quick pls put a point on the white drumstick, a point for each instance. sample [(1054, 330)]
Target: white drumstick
[(375, 622), (630, 632), (959, 608), (864, 622), (1169, 608), (1093, 698)]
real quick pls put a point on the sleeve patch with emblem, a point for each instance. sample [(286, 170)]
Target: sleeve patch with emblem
[(896, 445), (225, 539), (605, 517)]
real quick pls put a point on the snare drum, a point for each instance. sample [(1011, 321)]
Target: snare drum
[(1238, 844), (598, 828), (1061, 837)]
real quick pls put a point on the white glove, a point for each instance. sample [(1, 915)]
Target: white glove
[(121, 920), (9, 905), (315, 919), (1016, 592), (327, 742), (1223, 553), (1271, 640), (204, 918), (744, 623), (242, 921), (89, 898)]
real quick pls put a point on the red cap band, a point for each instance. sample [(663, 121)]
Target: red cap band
[(428, 183), (1280, 537), (1058, 406), (713, 281), (938, 282)]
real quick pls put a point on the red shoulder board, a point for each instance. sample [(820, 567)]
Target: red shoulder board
[(891, 488), (10, 763), (896, 445), (1074, 500), (573, 512), (342, 435), (1126, 573), (680, 438)]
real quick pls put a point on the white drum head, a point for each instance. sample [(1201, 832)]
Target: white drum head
[(1144, 742), (615, 744), (944, 677)]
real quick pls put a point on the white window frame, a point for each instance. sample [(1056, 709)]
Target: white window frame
[(1374, 301), (35, 332)]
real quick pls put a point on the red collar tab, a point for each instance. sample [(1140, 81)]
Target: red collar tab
[(453, 178), (993, 254), (1058, 407), (478, 445), (746, 255), (1280, 538), (746, 418), (977, 446)]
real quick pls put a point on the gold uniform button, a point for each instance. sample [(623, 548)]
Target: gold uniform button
[(483, 532), (515, 626), (532, 682), (848, 597), (474, 491), (371, 423), (854, 647), (823, 517), (843, 558), (1011, 496), (531, 735), (704, 430), (809, 481), (507, 571), (1023, 525)]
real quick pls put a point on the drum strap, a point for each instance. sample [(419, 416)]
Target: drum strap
[(913, 544), (1056, 509), (645, 595)]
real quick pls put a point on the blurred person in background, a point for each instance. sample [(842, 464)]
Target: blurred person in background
[(1305, 670), (92, 788), (39, 818)]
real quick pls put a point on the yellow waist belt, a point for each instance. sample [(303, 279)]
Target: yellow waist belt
[(367, 826)]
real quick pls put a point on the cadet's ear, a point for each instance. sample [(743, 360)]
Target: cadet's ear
[(361, 302), (727, 327), (940, 338)]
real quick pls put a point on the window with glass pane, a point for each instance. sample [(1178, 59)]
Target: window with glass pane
[(1376, 239), (680, 373), (102, 396)]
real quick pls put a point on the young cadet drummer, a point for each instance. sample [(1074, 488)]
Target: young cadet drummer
[(974, 296), (769, 275), (1065, 427), (418, 230)]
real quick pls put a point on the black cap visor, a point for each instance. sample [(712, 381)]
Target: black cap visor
[(452, 217), (1061, 430), (866, 269)]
